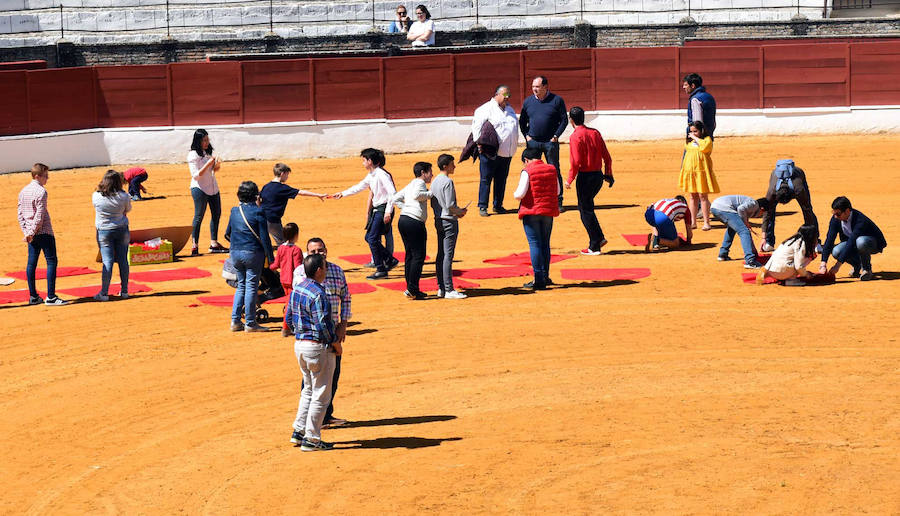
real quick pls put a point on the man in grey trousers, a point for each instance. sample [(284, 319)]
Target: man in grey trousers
[(446, 215)]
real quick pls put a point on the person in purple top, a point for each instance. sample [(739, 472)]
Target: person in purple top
[(542, 120)]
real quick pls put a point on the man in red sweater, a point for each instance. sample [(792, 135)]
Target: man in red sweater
[(538, 191), (588, 157)]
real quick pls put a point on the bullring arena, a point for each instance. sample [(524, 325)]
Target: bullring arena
[(640, 382)]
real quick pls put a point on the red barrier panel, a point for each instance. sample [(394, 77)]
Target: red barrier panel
[(132, 96), (418, 86), (568, 72), (61, 99), (37, 64), (348, 88), (806, 75), (13, 102), (770, 42), (477, 75), (277, 91), (206, 93), (636, 78), (875, 74), (730, 73)]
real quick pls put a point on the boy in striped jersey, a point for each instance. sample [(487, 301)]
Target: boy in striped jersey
[(662, 216)]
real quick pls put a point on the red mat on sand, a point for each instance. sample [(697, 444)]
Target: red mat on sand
[(362, 259), (227, 300), (750, 278), (16, 296), (169, 274), (427, 285), (525, 259), (640, 239), (61, 272), (113, 289), (604, 274), (509, 271)]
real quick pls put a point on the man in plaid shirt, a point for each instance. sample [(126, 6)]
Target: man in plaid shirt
[(338, 293), (34, 219)]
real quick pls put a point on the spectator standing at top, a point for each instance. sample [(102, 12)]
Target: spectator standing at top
[(421, 32), (401, 22), (542, 120), (502, 118), (34, 219), (701, 105), (588, 157)]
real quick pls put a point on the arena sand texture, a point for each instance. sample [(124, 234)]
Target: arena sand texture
[(683, 392)]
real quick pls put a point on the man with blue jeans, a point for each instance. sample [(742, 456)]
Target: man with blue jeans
[(860, 239), (34, 219), (542, 120), (735, 211), (538, 190)]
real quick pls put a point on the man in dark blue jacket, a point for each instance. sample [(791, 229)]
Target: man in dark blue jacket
[(542, 120), (701, 105), (860, 239)]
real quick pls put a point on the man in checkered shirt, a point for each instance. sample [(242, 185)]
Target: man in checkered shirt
[(34, 219)]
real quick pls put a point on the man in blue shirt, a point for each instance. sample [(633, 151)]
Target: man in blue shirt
[(316, 347), (542, 120)]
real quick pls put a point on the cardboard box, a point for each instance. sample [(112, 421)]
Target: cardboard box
[(137, 255)]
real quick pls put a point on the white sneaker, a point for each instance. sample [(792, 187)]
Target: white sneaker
[(55, 301), (766, 248), (100, 297), (455, 294)]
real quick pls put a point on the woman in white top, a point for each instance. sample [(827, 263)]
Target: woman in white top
[(111, 203), (421, 32), (205, 191), (790, 259), (413, 200)]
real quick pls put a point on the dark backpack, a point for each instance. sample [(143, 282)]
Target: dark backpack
[(784, 171)]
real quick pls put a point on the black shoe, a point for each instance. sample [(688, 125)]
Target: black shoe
[(377, 275), (534, 286), (308, 445), (393, 262), (195, 252), (483, 212), (297, 437), (550, 282), (500, 211)]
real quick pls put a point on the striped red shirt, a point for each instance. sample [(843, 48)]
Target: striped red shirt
[(34, 219), (674, 209)]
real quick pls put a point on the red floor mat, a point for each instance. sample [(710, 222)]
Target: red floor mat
[(17, 296), (169, 274), (113, 289), (226, 300), (750, 278), (509, 271), (427, 285), (61, 272), (525, 259), (605, 274)]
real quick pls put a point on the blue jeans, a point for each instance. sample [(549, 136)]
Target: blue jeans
[(215, 210), (866, 246), (734, 224), (537, 231), (551, 154), (248, 264), (47, 245), (134, 186), (496, 170), (114, 249)]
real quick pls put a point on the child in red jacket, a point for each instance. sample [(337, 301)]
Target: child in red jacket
[(288, 258)]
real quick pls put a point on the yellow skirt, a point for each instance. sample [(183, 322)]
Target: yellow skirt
[(698, 179)]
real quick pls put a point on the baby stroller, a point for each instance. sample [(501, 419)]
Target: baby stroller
[(269, 287)]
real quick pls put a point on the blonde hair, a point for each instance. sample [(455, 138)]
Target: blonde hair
[(39, 169)]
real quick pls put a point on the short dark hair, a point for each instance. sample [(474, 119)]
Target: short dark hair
[(543, 79), (376, 156), (577, 115), (784, 194), (531, 154), (248, 192), (111, 183), (290, 231), (763, 204), (841, 203), (280, 168), (444, 160), (681, 198), (694, 80), (197, 142), (39, 169), (315, 239), (420, 168), (312, 263), (424, 9)]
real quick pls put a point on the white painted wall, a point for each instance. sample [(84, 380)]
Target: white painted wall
[(299, 140)]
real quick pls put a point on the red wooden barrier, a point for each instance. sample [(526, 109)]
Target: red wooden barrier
[(13, 103), (277, 91), (733, 73), (569, 74), (348, 88), (806, 75), (478, 75), (61, 99), (418, 86), (636, 78), (132, 96), (875, 73), (206, 93)]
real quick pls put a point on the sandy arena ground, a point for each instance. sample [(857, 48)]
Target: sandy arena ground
[(683, 392)]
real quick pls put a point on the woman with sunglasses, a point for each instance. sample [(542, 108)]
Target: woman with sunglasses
[(401, 21), (421, 32)]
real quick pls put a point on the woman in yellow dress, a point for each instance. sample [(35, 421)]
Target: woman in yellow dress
[(697, 177)]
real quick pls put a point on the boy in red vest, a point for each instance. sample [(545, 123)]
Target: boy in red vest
[(537, 192)]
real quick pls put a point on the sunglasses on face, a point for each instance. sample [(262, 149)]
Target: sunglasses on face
[(401, 13)]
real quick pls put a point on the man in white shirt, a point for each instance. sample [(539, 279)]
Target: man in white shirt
[(383, 189), (502, 116)]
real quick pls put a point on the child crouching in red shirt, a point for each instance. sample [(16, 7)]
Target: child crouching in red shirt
[(288, 258)]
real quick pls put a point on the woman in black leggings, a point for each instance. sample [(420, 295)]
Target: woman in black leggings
[(205, 191)]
